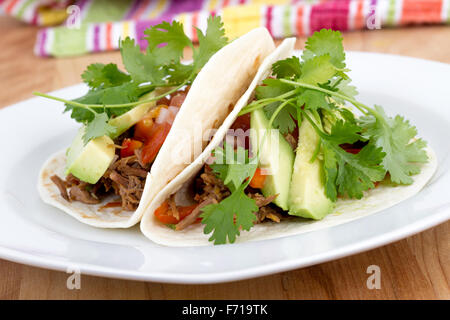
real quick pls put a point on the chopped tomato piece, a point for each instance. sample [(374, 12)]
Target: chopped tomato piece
[(353, 150), (350, 148), (164, 100), (242, 122), (178, 99), (129, 145), (143, 128), (258, 179), (164, 215), (154, 141)]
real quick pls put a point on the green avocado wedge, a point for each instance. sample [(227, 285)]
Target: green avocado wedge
[(275, 155), (307, 191)]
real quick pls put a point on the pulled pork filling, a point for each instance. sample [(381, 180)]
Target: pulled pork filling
[(125, 177), (210, 189)]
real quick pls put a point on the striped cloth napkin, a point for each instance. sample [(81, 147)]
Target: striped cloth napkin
[(97, 25)]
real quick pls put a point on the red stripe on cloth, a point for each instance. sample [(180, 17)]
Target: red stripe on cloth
[(194, 24), (10, 6), (330, 15), (109, 45), (299, 21), (269, 19), (142, 7), (421, 11), (359, 16)]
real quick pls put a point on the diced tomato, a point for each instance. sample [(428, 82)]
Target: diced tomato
[(350, 148), (353, 150), (178, 99), (258, 179), (129, 145), (164, 215), (242, 122), (164, 100), (143, 128), (154, 141)]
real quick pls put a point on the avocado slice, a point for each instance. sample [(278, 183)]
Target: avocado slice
[(276, 157), (307, 191), (130, 118), (89, 162)]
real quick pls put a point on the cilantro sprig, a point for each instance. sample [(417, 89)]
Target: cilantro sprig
[(318, 84), (113, 92), (237, 212)]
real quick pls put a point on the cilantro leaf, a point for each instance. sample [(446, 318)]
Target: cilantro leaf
[(395, 137), (210, 42), (141, 67), (326, 42), (226, 218), (285, 120), (344, 132), (98, 127), (318, 70), (179, 72), (127, 92), (344, 87), (312, 100), (166, 42), (287, 68), (98, 75), (233, 167), (351, 174)]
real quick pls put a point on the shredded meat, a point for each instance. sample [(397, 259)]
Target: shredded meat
[(268, 213), (260, 200), (265, 212), (190, 219), (211, 187), (125, 177), (61, 184), (173, 207), (291, 140), (78, 193)]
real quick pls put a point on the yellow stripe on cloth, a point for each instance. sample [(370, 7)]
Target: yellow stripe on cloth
[(239, 20), (125, 30), (156, 12), (50, 17)]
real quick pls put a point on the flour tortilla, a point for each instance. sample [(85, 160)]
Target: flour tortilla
[(384, 196), (213, 95)]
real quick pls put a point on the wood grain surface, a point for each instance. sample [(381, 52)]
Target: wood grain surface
[(414, 268)]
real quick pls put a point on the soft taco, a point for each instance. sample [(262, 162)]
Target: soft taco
[(122, 155), (313, 156)]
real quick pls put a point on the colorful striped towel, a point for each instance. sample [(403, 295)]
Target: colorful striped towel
[(97, 25)]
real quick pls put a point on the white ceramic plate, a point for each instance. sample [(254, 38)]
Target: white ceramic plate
[(37, 234)]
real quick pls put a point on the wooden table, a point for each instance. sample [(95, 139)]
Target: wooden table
[(415, 268)]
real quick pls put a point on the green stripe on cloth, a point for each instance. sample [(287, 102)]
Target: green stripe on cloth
[(23, 8), (448, 12), (391, 13), (287, 21), (107, 10), (69, 42)]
